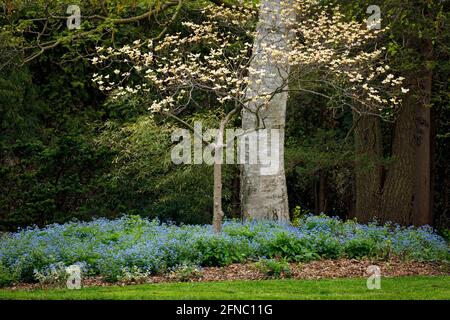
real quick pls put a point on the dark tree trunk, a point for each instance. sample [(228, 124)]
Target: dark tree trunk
[(401, 190), (398, 189), (368, 169), (423, 196), (322, 192)]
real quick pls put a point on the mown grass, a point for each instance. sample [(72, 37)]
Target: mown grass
[(437, 287)]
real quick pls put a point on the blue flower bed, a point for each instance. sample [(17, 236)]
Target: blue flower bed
[(106, 247)]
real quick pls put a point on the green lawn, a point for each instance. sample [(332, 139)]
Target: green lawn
[(391, 288)]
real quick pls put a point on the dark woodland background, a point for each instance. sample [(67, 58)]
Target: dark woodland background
[(66, 152)]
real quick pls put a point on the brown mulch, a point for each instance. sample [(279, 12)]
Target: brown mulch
[(322, 269)]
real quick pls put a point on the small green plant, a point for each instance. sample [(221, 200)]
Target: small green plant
[(7, 277), (298, 215), (272, 268), (359, 248), (134, 275), (445, 233), (54, 275), (186, 272)]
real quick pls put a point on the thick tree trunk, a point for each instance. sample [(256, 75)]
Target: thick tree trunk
[(320, 192), (368, 169), (404, 195), (387, 192), (423, 191), (407, 192), (265, 196), (398, 189)]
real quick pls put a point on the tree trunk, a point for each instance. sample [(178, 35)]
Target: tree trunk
[(404, 196), (218, 160), (235, 195), (218, 212), (265, 196), (398, 189), (423, 191), (322, 191), (368, 169)]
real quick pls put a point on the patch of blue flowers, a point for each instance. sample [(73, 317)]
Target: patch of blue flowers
[(107, 247)]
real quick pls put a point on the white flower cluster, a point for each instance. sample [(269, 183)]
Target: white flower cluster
[(210, 57), (343, 52), (215, 56)]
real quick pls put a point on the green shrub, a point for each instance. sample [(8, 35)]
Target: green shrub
[(272, 268), (445, 233), (109, 246), (298, 215), (110, 270), (134, 275), (7, 277), (54, 275), (360, 248), (290, 247), (186, 272), (328, 248), (221, 250)]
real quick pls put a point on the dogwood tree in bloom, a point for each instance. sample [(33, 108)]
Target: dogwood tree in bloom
[(226, 54)]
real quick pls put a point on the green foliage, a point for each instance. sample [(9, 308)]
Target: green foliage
[(359, 248), (272, 268), (318, 145), (8, 277), (133, 275), (66, 153), (220, 251), (186, 272), (298, 215), (290, 247), (55, 275), (113, 249), (445, 233)]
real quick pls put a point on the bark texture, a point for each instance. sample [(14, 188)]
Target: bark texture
[(423, 204), (368, 171), (401, 190), (265, 196)]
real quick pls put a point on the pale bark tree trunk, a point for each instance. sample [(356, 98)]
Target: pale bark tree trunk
[(218, 212), (265, 196), (218, 160)]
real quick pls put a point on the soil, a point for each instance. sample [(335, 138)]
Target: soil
[(322, 269)]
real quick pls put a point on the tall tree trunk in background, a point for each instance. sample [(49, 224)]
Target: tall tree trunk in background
[(422, 210), (407, 197), (398, 189), (401, 190), (322, 192), (265, 196), (368, 168)]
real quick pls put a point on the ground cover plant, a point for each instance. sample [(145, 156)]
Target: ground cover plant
[(133, 246)]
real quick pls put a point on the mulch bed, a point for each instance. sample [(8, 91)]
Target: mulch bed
[(322, 269)]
